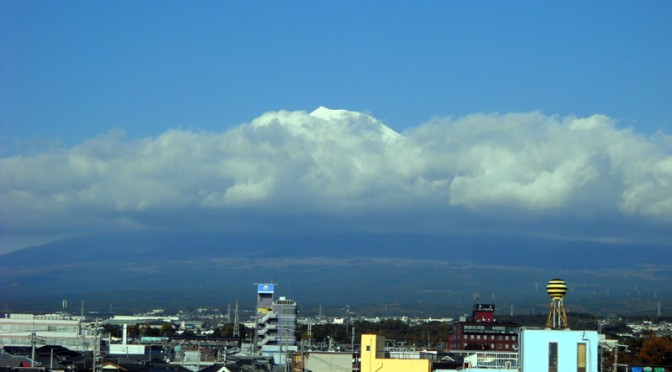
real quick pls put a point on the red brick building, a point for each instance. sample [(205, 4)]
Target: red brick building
[(482, 331)]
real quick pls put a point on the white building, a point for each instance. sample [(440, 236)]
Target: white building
[(18, 330)]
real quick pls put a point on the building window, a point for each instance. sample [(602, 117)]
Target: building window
[(507, 338), (478, 337), (581, 357), (500, 338), (552, 357), (499, 346), (368, 348)]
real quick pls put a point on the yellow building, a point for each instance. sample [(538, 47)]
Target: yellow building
[(373, 358)]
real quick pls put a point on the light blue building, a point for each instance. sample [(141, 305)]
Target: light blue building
[(545, 350)]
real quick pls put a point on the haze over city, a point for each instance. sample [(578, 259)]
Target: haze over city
[(528, 122)]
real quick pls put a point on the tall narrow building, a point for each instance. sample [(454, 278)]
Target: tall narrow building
[(276, 324)]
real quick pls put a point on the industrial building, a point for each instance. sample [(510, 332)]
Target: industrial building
[(51, 329)]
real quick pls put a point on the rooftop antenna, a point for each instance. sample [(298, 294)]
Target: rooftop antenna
[(557, 317)]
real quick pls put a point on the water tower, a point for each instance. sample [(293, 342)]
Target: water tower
[(557, 317)]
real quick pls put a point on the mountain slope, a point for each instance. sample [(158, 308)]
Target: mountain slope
[(145, 270)]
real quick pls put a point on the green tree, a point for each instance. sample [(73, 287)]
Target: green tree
[(149, 331), (113, 330), (133, 331), (167, 330)]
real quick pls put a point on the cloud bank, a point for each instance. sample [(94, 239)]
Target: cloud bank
[(345, 165)]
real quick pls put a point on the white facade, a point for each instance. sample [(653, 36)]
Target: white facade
[(558, 350), (18, 329)]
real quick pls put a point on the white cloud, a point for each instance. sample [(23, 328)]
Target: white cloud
[(537, 162), (336, 162)]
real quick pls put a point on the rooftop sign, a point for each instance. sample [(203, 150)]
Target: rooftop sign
[(265, 288)]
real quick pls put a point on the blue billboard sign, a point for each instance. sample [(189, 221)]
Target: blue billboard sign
[(265, 288)]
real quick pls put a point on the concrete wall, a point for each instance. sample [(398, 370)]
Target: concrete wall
[(328, 362)]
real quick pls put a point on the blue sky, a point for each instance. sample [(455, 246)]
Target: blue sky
[(73, 70), (82, 81)]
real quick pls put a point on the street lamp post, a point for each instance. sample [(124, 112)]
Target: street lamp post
[(625, 347)]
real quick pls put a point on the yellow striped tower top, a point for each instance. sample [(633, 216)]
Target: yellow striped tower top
[(556, 288)]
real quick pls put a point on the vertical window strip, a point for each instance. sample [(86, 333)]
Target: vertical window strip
[(552, 357), (581, 357)]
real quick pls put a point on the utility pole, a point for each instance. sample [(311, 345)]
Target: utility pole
[(95, 348), (33, 341), (625, 347), (236, 322), (600, 349), (286, 351)]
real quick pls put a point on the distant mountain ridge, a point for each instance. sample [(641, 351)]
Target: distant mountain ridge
[(146, 269), (481, 249)]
